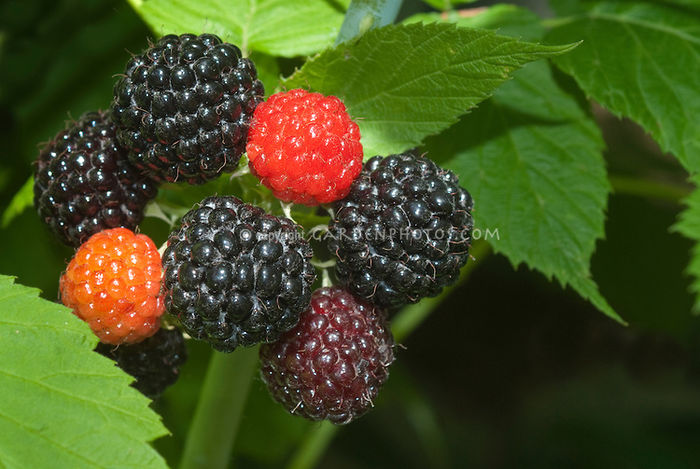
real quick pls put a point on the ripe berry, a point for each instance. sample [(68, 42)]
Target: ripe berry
[(113, 283), (333, 363), (304, 147), (155, 362), (184, 106), (403, 232), (84, 183), (235, 275)]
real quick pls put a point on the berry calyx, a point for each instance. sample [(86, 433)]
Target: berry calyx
[(235, 275), (84, 182), (333, 363), (403, 232), (304, 147), (183, 107), (113, 283)]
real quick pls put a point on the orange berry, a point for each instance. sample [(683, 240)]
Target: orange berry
[(113, 283)]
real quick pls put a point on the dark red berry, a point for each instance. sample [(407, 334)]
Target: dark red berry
[(333, 363)]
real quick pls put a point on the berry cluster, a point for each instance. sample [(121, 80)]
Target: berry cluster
[(231, 274), (181, 112)]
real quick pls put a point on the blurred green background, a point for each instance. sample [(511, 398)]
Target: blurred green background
[(510, 371)]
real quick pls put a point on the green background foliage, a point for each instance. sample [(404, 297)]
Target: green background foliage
[(654, 82), (397, 96), (276, 27), (509, 369), (533, 134)]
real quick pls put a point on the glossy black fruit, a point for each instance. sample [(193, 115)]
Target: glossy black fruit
[(403, 232), (155, 362), (235, 275), (84, 183), (183, 107)]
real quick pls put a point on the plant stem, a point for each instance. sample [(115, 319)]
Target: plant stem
[(221, 402), (363, 15), (314, 446), (647, 188), (410, 317)]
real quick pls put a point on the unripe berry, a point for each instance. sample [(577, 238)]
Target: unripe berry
[(113, 284), (333, 363), (304, 147)]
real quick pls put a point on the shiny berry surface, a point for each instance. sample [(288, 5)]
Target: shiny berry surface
[(235, 275), (304, 147), (333, 363), (183, 107), (113, 283), (403, 232), (84, 183), (155, 362)]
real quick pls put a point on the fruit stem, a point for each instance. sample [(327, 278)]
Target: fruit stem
[(221, 402), (363, 15), (326, 279), (403, 324), (648, 188), (287, 210)]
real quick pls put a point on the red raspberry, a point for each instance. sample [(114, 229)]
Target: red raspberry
[(304, 147), (113, 284), (332, 364)]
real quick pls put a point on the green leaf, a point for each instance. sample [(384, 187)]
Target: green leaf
[(654, 81), (689, 226), (532, 160), (509, 20), (268, 71), (22, 199), (405, 82), (63, 405), (446, 4), (277, 27)]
